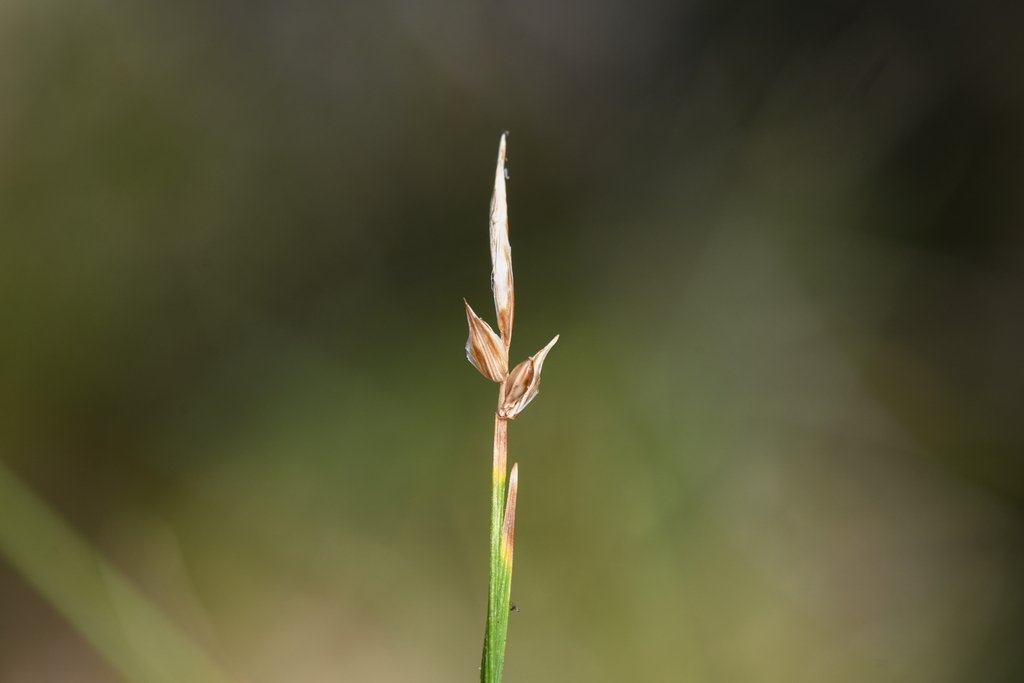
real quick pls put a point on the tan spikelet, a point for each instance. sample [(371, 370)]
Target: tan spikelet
[(523, 383), (484, 349), (501, 251)]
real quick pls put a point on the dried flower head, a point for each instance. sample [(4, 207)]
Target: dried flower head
[(523, 383), (484, 349), (501, 251)]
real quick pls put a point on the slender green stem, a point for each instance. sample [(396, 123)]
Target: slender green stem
[(497, 600)]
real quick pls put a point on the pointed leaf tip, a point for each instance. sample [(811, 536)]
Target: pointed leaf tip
[(508, 527)]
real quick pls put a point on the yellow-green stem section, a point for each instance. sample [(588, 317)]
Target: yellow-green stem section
[(497, 608)]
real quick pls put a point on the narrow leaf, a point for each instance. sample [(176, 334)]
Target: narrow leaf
[(508, 527)]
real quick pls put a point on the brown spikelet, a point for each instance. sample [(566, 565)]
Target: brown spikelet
[(484, 349), (523, 383), (501, 251)]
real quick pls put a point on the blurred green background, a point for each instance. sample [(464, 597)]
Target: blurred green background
[(780, 440)]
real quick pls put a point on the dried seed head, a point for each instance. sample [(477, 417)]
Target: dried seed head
[(523, 383), (501, 251), (484, 349)]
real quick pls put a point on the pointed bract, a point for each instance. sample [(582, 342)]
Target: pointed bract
[(508, 527), (523, 383), (484, 349), (501, 251)]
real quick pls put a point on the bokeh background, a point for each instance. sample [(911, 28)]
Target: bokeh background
[(780, 440)]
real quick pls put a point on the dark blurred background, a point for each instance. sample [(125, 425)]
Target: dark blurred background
[(781, 438)]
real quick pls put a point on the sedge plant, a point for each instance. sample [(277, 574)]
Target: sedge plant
[(488, 352)]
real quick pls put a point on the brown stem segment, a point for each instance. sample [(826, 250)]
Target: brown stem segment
[(500, 452)]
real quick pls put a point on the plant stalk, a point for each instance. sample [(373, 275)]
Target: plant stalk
[(497, 610), (488, 353)]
